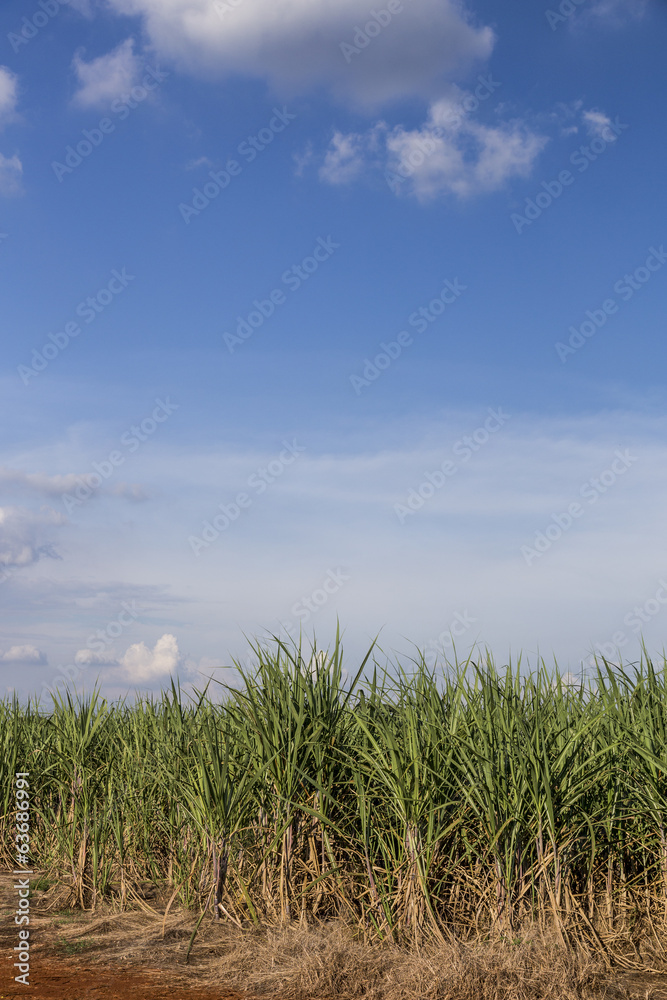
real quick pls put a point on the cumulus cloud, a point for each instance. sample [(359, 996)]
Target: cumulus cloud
[(472, 159), (298, 44), (24, 655), (141, 664), (363, 60), (450, 154), (453, 152), (107, 77), (138, 664), (25, 535)]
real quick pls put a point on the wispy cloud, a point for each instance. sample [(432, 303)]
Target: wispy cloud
[(8, 95), (11, 174), (38, 482), (346, 157), (618, 12), (11, 168), (107, 77), (60, 485), (25, 535), (598, 125)]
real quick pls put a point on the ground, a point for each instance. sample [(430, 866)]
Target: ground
[(138, 955), (79, 956)]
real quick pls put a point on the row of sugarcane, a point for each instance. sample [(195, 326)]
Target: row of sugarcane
[(447, 803)]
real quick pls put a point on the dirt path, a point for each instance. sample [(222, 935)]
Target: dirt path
[(58, 972), (73, 980)]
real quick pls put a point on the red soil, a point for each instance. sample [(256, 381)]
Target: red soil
[(69, 979)]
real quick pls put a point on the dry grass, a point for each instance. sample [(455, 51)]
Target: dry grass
[(326, 963)]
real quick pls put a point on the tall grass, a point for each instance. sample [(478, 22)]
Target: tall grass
[(422, 804)]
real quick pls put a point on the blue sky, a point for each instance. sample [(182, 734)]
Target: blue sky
[(317, 310)]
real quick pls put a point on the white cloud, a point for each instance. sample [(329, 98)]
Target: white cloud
[(138, 664), (142, 664), (202, 161), (88, 658), (566, 115), (610, 13), (8, 94), (24, 655), (475, 159), (107, 77), (67, 483), (617, 12), (38, 482), (450, 154), (568, 679), (11, 172), (598, 125), (572, 117), (24, 535), (296, 44), (11, 168), (130, 491), (345, 158), (303, 158)]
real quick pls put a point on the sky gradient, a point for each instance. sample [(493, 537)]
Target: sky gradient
[(317, 310)]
